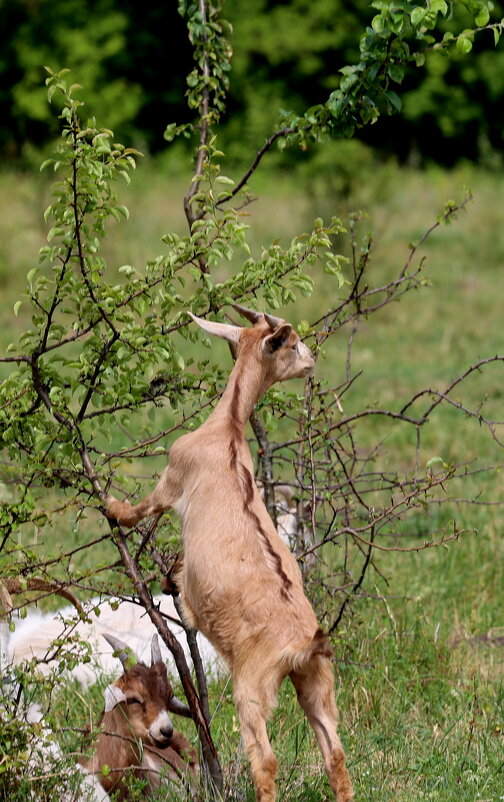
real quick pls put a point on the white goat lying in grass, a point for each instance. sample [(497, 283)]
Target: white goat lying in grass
[(34, 635), (137, 738), (42, 755)]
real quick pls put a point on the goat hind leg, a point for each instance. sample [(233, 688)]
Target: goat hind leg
[(315, 692), (253, 714)]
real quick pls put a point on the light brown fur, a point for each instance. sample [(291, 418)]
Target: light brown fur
[(239, 583)]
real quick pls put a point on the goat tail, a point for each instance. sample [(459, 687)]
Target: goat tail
[(318, 646)]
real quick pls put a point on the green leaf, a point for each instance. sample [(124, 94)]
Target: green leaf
[(417, 15), (439, 6), (170, 132), (436, 461), (178, 361), (127, 270), (55, 232), (394, 99), (482, 18), (50, 92), (378, 23), (17, 307), (396, 72), (464, 44)]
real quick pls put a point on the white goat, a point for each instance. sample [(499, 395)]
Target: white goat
[(43, 756), (42, 753), (239, 583), (137, 738), (292, 518), (34, 635)]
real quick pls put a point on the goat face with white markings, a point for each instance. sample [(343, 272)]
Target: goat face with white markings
[(144, 696)]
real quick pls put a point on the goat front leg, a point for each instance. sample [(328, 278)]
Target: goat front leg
[(315, 691), (167, 491)]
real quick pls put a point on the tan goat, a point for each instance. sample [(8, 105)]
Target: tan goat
[(239, 583), (137, 738)]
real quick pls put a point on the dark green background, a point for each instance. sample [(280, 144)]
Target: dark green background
[(133, 57)]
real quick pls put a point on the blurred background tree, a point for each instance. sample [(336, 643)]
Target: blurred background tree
[(133, 59)]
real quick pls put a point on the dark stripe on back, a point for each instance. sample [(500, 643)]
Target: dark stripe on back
[(248, 488), (234, 425), (247, 483)]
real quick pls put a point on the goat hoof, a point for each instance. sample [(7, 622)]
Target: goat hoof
[(117, 510)]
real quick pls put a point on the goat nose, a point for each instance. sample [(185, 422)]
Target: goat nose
[(166, 731)]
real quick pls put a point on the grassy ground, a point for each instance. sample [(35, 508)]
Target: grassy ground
[(419, 660)]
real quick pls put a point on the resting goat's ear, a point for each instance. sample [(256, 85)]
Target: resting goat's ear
[(224, 330), (178, 707), (113, 696)]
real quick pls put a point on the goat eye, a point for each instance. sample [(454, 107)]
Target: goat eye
[(134, 701)]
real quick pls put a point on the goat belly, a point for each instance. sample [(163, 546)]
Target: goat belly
[(251, 613)]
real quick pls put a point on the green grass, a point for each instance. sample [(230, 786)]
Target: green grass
[(420, 691)]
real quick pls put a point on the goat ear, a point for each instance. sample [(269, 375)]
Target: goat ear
[(224, 330), (176, 706), (113, 696), (126, 655), (278, 339)]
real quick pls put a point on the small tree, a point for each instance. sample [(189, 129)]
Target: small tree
[(109, 374)]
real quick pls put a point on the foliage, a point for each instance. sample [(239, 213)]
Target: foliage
[(86, 401), (287, 56), (31, 762), (64, 33), (400, 34), (296, 51)]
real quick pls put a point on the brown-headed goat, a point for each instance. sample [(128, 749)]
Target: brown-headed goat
[(137, 738), (239, 583)]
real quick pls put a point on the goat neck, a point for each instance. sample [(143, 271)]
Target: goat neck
[(263, 357), (243, 389)]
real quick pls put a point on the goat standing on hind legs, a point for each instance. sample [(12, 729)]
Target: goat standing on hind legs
[(239, 583)]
